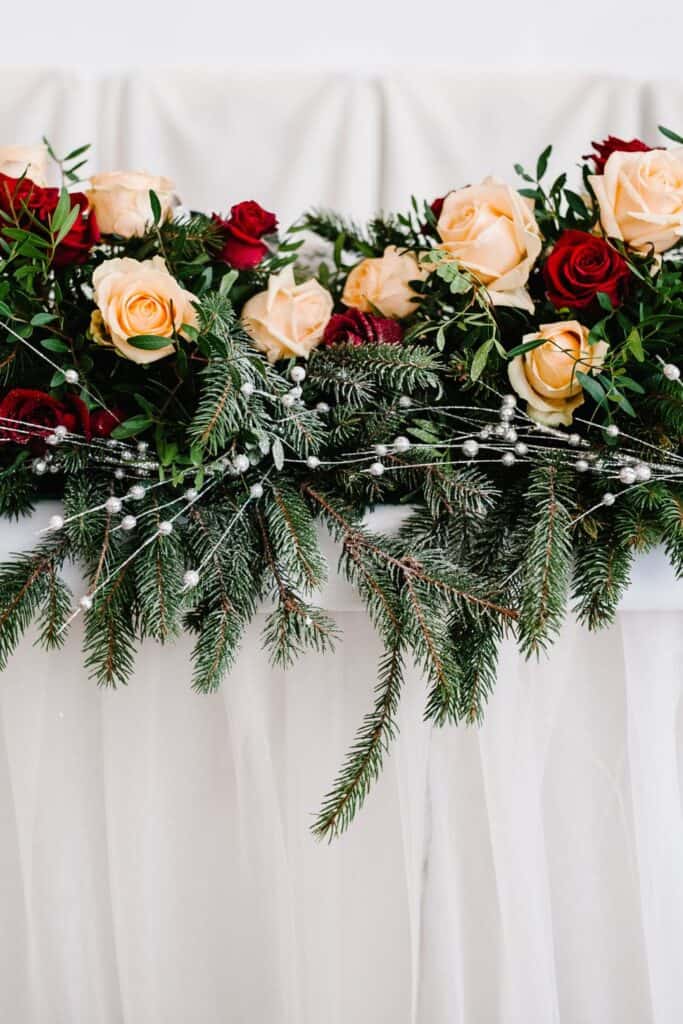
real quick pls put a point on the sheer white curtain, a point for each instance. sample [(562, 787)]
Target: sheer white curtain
[(155, 863)]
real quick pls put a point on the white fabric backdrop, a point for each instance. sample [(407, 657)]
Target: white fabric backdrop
[(155, 865)]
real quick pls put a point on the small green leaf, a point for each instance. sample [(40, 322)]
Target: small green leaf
[(54, 345), (592, 386), (542, 163), (634, 343), (156, 207), (671, 135), (40, 319), (480, 358), (134, 425), (67, 225), (604, 301), (227, 281), (519, 350), (149, 342)]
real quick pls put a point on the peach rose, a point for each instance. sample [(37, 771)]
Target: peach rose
[(28, 161), (288, 319), (491, 231), (546, 376), (383, 284), (121, 202), (640, 196), (139, 297)]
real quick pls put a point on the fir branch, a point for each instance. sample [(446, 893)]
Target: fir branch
[(364, 761), (29, 587), (601, 576), (547, 565)]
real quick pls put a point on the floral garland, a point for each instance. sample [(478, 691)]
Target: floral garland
[(200, 392)]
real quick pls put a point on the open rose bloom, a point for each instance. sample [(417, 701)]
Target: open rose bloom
[(546, 375), (288, 319), (383, 284), (121, 201), (25, 161), (640, 196), (137, 297), (490, 230)]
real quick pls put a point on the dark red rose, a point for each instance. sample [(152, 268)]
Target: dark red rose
[(25, 202), (244, 229), (356, 328), (604, 150), (580, 266), (436, 206), (102, 421), (26, 415)]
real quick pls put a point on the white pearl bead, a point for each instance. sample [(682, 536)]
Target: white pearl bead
[(627, 475), (511, 435), (165, 528), (643, 473), (296, 392), (127, 455), (61, 430), (381, 450), (401, 444), (506, 413), (509, 400), (297, 374), (52, 440), (119, 473), (191, 579), (521, 448), (312, 461), (86, 602), (136, 492), (71, 376), (113, 505), (376, 469), (288, 400), (241, 463), (608, 498), (190, 494), (612, 430), (671, 372), (574, 440), (322, 407), (247, 389), (56, 523), (39, 466), (256, 490), (405, 402), (484, 434), (142, 447), (581, 466), (129, 523), (470, 448), (508, 458)]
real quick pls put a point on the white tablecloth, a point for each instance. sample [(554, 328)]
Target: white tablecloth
[(155, 864), (156, 868)]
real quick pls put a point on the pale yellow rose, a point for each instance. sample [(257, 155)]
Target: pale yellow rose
[(139, 297), (640, 196), (383, 284), (25, 161), (288, 319), (491, 231), (121, 201), (546, 376)]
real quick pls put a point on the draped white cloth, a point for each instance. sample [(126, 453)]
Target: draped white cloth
[(155, 863)]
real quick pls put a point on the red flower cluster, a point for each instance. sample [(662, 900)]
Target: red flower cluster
[(604, 150), (22, 406), (580, 266), (356, 328), (244, 230), (24, 202)]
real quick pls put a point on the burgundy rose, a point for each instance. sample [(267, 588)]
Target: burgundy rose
[(356, 328), (103, 421), (243, 247), (436, 206), (27, 415), (604, 150), (580, 266), (24, 202)]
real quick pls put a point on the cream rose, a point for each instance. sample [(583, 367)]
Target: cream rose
[(491, 231), (383, 284), (288, 319), (546, 376), (139, 297), (640, 196), (29, 161), (121, 201)]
